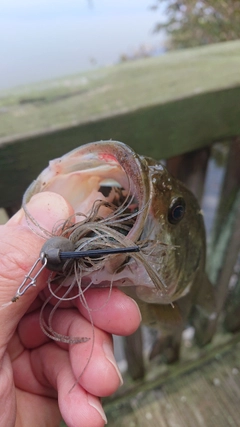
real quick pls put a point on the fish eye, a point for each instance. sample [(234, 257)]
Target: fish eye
[(176, 210)]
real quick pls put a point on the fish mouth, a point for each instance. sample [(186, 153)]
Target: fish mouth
[(107, 171), (104, 182)]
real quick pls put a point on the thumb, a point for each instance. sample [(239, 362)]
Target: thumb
[(19, 249)]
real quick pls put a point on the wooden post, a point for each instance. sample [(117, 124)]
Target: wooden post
[(190, 168)]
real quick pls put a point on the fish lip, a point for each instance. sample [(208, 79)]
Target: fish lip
[(147, 292)]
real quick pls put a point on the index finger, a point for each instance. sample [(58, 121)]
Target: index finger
[(111, 310)]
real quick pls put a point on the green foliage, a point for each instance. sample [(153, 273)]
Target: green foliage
[(192, 23)]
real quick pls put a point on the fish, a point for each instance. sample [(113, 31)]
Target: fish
[(122, 199)]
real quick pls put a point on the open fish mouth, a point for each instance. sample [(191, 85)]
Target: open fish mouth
[(108, 172), (109, 187)]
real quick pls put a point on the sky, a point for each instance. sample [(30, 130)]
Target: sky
[(44, 39)]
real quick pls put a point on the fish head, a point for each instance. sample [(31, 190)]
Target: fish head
[(151, 210), (176, 223)]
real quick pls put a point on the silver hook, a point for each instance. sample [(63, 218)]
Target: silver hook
[(32, 280)]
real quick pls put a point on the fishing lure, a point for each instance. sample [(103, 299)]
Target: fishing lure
[(53, 256)]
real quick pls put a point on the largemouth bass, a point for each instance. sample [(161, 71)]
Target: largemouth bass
[(121, 198)]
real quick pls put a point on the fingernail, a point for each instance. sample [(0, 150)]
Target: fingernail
[(138, 309), (110, 357), (94, 402)]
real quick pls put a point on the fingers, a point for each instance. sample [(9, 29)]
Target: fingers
[(77, 407), (51, 369), (93, 363), (115, 313), (112, 311), (7, 394), (19, 249), (79, 375), (99, 376), (32, 404), (119, 315)]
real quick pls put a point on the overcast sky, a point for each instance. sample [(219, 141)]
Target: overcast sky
[(42, 39)]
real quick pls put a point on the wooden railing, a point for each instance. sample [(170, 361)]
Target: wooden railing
[(183, 107)]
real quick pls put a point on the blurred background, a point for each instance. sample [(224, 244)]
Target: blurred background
[(47, 39), (162, 76)]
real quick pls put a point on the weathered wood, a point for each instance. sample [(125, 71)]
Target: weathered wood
[(204, 395), (233, 248), (133, 346), (161, 106), (159, 131), (226, 253), (231, 278), (226, 216), (232, 309), (123, 88), (191, 168), (204, 318), (230, 187)]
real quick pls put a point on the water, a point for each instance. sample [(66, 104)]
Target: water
[(42, 40)]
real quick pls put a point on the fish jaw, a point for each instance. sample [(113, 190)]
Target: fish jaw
[(136, 278)]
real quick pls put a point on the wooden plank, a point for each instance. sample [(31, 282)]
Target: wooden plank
[(220, 266), (159, 131), (226, 216), (191, 169), (230, 258), (230, 187), (122, 88), (203, 397), (133, 346), (232, 309)]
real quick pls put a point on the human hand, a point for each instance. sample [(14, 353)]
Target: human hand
[(37, 375)]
